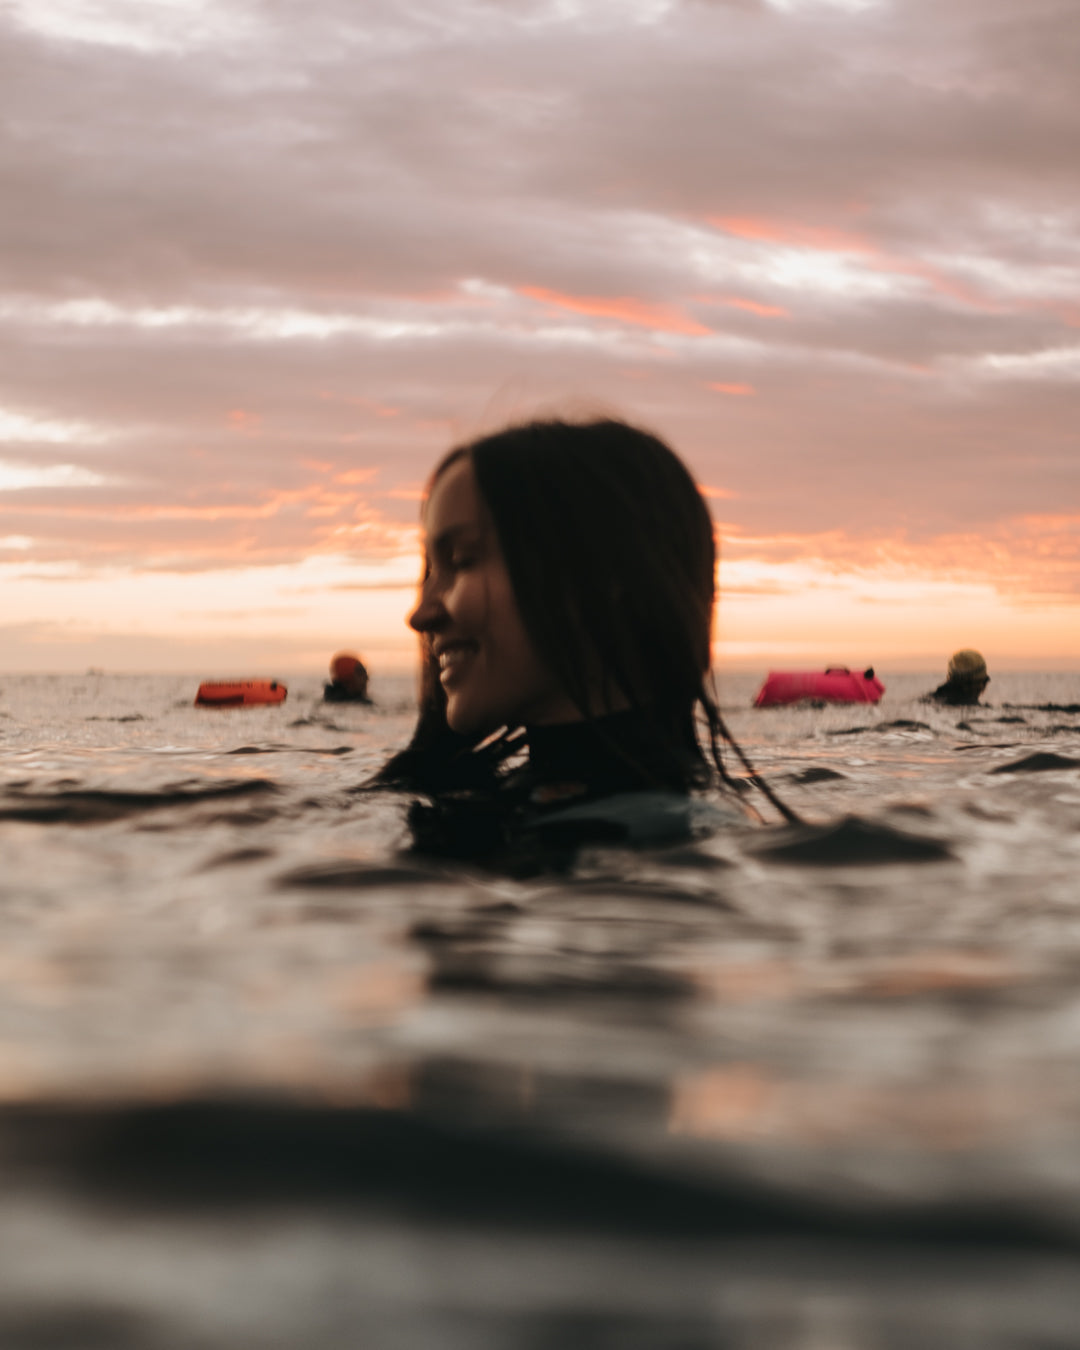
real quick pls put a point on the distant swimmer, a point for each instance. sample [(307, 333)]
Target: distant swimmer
[(965, 681), (348, 681)]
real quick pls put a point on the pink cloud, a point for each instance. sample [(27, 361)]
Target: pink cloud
[(625, 309), (735, 390), (825, 238), (755, 307), (356, 476), (240, 419)]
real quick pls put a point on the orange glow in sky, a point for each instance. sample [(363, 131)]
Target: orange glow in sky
[(625, 309), (755, 307), (735, 390), (798, 235)]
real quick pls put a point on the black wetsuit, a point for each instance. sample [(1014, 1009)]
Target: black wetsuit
[(333, 692), (957, 693), (531, 818)]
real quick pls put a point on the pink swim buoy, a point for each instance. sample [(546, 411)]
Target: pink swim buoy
[(835, 685)]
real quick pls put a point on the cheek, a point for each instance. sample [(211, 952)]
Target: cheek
[(504, 620), (467, 602), (516, 652)]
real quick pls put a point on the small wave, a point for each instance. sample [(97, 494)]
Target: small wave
[(235, 857), (355, 876), (899, 724), (97, 805), (818, 774), (1045, 707), (850, 842), (291, 750), (1043, 761), (480, 973)]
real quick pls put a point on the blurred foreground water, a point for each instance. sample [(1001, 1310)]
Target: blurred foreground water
[(266, 1080)]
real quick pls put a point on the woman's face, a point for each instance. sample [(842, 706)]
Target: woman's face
[(488, 665)]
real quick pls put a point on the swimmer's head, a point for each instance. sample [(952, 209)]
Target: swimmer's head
[(570, 572), (968, 667), (343, 665), (348, 672)]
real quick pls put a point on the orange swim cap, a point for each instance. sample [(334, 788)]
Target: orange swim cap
[(343, 665)]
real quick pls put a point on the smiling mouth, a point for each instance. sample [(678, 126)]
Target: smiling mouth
[(453, 657)]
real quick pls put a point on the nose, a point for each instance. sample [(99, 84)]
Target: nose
[(430, 612)]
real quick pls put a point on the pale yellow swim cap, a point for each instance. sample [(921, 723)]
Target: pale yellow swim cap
[(967, 665)]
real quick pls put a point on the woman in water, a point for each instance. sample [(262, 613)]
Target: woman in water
[(566, 612)]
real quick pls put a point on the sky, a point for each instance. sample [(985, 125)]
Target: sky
[(263, 261)]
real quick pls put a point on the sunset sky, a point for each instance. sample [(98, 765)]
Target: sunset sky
[(262, 261)]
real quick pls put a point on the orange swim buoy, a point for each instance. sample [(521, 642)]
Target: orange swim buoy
[(239, 693)]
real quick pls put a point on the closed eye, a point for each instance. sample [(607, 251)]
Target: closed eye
[(456, 549)]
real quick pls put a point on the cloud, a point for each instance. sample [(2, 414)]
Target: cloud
[(1033, 557), (829, 250), (167, 26), (624, 309), (17, 477), (29, 429)]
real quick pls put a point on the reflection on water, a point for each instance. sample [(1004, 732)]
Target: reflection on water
[(727, 1103), (741, 1102), (834, 1062)]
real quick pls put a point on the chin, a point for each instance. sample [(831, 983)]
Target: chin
[(472, 721), (461, 718), (456, 722)]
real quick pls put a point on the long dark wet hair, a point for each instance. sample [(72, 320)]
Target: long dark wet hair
[(611, 554)]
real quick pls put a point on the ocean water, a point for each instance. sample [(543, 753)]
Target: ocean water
[(268, 1080)]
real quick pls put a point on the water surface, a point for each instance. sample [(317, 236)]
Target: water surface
[(779, 1086)]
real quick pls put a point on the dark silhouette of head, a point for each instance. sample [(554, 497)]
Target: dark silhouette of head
[(966, 679), (610, 553)]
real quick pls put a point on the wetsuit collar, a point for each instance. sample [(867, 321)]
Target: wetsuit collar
[(624, 752)]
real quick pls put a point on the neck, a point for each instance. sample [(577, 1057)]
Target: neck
[(623, 752)]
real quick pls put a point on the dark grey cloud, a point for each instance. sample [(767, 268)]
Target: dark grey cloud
[(343, 153), (909, 170)]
